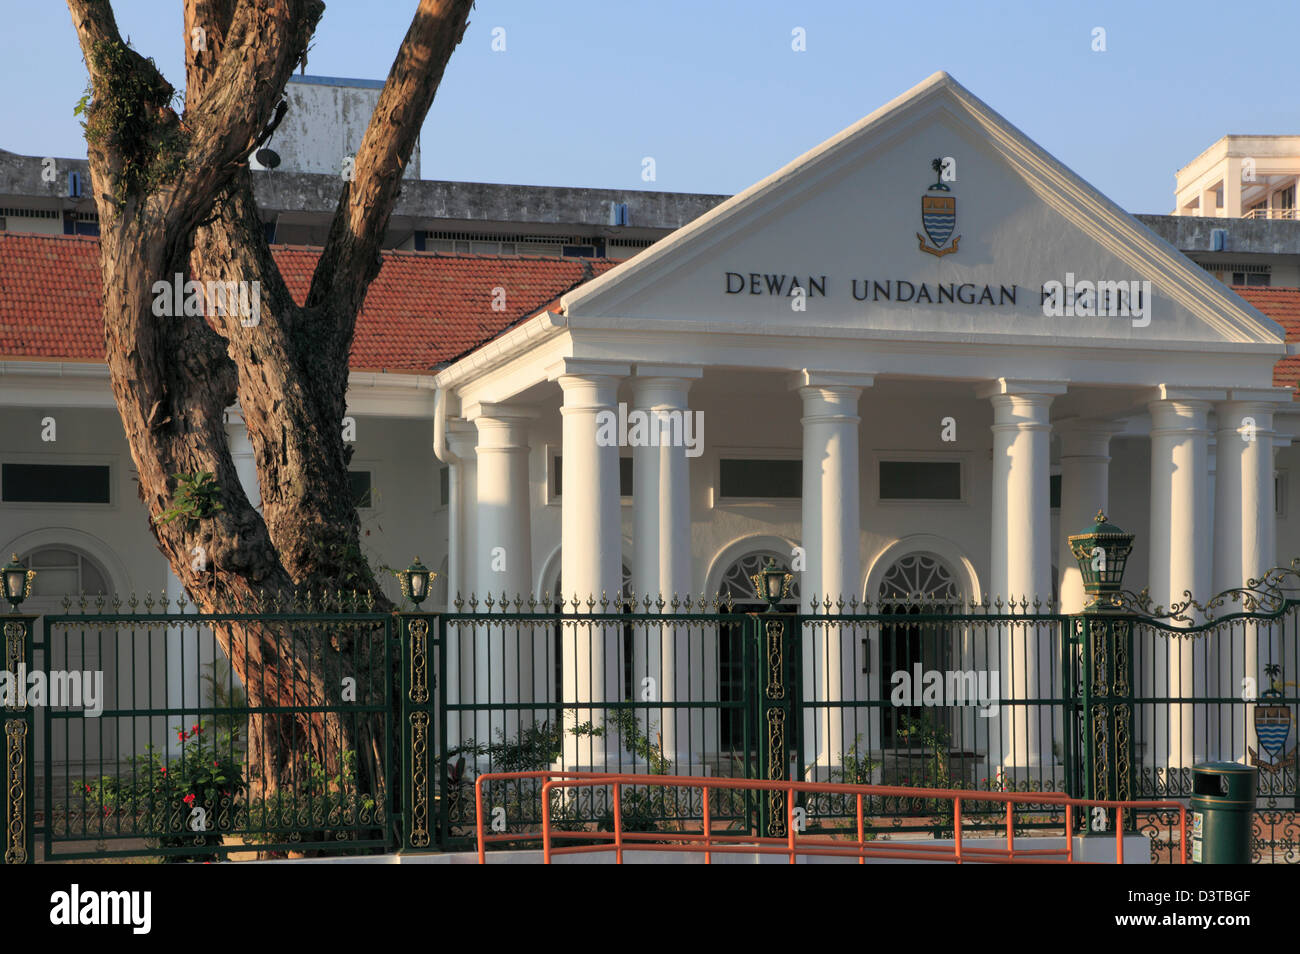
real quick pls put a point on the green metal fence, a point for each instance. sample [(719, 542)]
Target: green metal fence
[(364, 731), (186, 760)]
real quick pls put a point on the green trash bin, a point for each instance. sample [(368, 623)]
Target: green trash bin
[(1223, 800)]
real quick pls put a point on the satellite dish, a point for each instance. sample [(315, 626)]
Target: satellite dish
[(267, 158)]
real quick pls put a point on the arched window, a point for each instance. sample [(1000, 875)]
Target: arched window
[(738, 580), (920, 585), (920, 578), (62, 571)]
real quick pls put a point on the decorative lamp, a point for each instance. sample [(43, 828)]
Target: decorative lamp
[(17, 582), (772, 583), (415, 580), (1102, 551)]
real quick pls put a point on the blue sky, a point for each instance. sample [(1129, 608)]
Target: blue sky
[(713, 91)]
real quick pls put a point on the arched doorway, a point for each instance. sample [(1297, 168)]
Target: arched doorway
[(924, 586), (77, 745)]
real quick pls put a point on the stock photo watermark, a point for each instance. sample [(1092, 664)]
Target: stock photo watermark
[(947, 687), (57, 689)]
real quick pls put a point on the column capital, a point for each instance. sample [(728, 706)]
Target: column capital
[(1022, 411), (1281, 397), (1020, 388), (668, 392), (461, 437), (586, 368), (1179, 415), (1179, 395), (807, 378), (681, 371), (1244, 418), (1086, 437), (494, 411)]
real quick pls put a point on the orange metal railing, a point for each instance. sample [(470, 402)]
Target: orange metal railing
[(794, 843)]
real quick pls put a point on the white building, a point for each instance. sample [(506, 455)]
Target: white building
[(894, 376)]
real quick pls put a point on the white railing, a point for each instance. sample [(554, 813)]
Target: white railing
[(1271, 214)]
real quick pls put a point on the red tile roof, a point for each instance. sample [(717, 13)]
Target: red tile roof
[(423, 309), (1283, 306)]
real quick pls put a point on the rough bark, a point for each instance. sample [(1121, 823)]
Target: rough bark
[(174, 195)]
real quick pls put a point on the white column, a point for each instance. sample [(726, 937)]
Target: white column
[(184, 679), (1245, 527), (1180, 562), (831, 538), (1245, 549), (1021, 567), (1085, 489), (462, 493), (241, 450), (462, 572), (1232, 188), (591, 549), (503, 664), (661, 564)]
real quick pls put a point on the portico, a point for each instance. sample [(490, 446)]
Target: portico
[(841, 419)]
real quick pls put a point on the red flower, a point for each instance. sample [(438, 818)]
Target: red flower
[(88, 788), (188, 798), (163, 769), (196, 728)]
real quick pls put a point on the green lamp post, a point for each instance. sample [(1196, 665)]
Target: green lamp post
[(415, 580), (1105, 637), (17, 582), (1102, 551), (772, 583)]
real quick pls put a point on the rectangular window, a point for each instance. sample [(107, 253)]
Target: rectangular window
[(624, 477), (444, 486), (55, 483), (1250, 278), (360, 480), (760, 478), (920, 480), (1055, 492)]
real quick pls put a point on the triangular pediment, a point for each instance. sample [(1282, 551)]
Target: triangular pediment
[(881, 244)]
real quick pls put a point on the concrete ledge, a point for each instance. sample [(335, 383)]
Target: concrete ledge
[(1089, 848)]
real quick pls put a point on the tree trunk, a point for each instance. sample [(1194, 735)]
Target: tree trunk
[(174, 195)]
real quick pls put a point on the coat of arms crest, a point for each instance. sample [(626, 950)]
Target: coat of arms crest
[(938, 215)]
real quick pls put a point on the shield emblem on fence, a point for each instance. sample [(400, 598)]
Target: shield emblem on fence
[(1272, 728)]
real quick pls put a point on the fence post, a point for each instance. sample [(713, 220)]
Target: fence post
[(778, 717), (419, 683), (1107, 703), (19, 738)]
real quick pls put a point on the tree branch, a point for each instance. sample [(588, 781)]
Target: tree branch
[(350, 259)]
